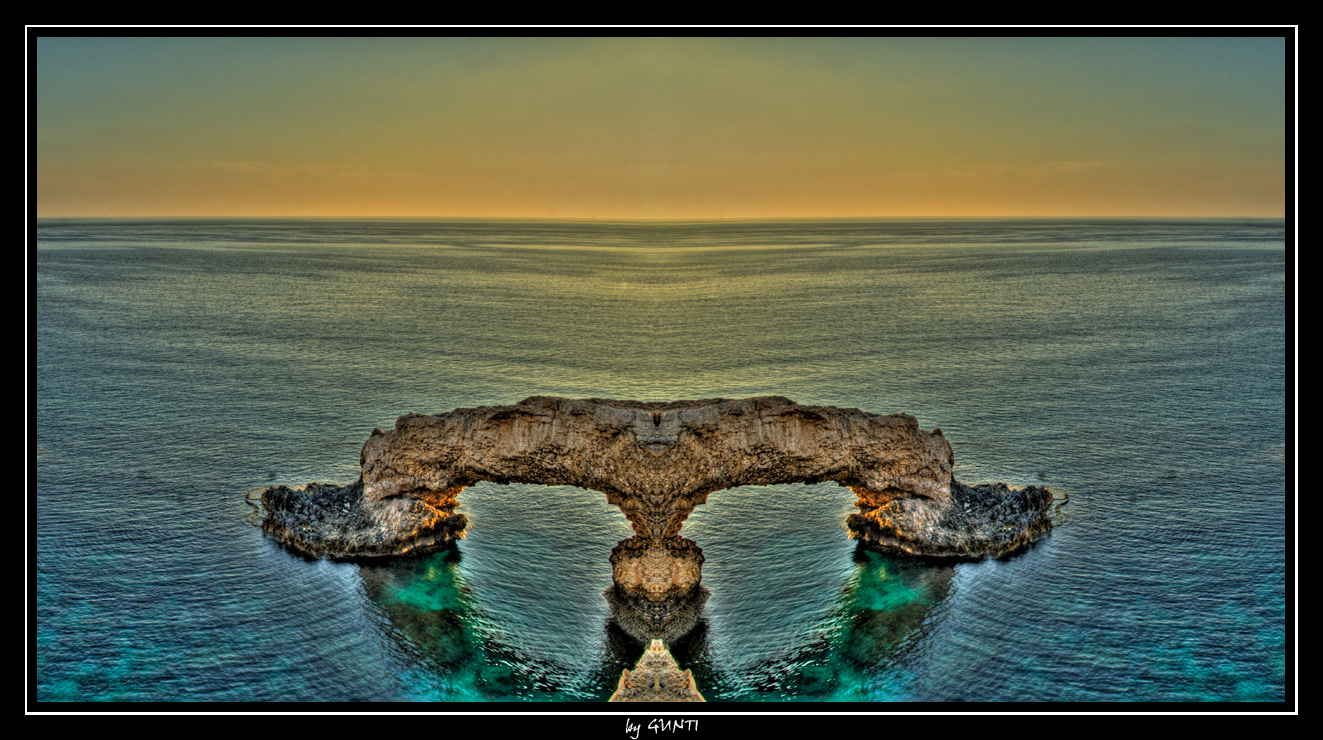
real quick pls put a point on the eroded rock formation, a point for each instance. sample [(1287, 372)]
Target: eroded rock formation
[(656, 677), (656, 461)]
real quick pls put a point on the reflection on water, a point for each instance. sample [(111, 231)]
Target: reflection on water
[(891, 599), (425, 604), (800, 629), (879, 615), (435, 617)]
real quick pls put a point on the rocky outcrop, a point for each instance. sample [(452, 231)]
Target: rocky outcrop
[(656, 461), (325, 520), (656, 677), (978, 522)]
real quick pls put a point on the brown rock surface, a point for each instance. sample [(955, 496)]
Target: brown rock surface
[(656, 460), (656, 677)]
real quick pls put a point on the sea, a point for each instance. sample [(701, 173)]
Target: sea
[(1138, 368)]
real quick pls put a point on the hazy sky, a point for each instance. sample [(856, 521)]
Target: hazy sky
[(661, 128)]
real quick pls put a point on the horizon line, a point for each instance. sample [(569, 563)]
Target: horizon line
[(581, 219)]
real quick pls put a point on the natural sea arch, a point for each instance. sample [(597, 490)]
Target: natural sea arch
[(656, 461)]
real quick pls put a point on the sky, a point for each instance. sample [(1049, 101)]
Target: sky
[(661, 128)]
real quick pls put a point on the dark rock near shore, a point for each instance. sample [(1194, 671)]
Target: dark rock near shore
[(990, 520), (324, 520)]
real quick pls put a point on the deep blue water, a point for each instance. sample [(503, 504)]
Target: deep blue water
[(1138, 367)]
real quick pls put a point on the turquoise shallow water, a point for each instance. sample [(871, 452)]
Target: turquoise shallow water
[(1138, 366)]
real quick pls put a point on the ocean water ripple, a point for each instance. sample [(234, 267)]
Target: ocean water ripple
[(1139, 366)]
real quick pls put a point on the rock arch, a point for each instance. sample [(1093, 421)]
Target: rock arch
[(656, 461)]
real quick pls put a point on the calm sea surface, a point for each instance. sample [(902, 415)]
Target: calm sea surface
[(1137, 366)]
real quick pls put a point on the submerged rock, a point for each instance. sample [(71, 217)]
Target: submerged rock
[(656, 461)]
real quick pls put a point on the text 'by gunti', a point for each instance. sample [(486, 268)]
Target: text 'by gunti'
[(659, 726)]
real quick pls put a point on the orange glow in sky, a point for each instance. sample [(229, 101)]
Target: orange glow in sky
[(661, 128)]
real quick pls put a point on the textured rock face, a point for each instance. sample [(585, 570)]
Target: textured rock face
[(656, 677), (656, 461), (979, 521), (323, 520)]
